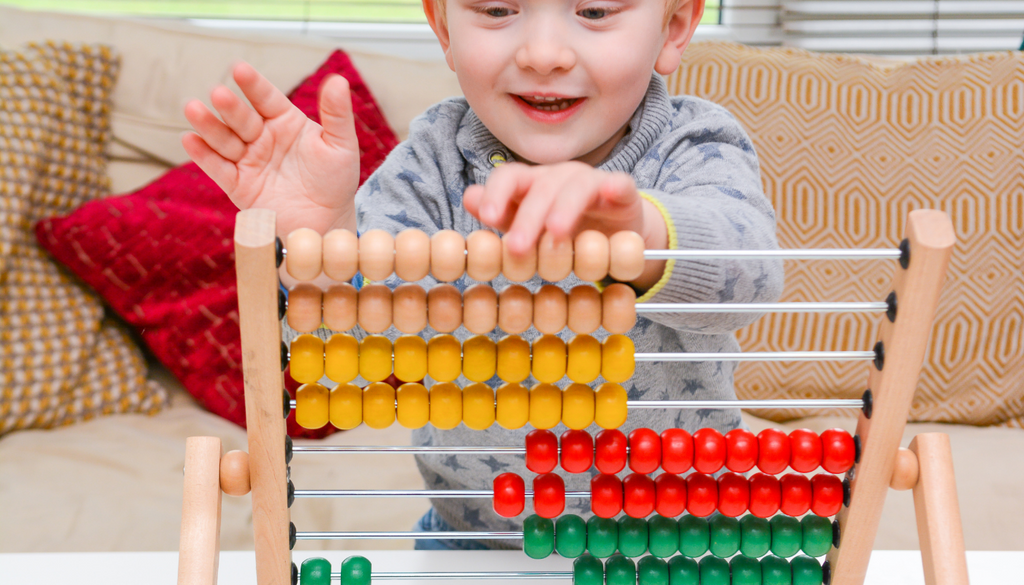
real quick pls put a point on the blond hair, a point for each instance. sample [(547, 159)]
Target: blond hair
[(439, 8)]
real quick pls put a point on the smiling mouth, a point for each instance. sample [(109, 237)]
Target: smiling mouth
[(547, 104)]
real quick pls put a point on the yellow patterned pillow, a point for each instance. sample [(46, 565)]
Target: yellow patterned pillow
[(61, 361), (848, 146)]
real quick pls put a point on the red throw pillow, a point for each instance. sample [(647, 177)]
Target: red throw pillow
[(163, 257)]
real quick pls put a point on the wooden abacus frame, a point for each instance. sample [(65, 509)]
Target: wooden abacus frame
[(926, 467)]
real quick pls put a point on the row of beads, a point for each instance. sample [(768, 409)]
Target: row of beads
[(410, 308), (317, 571), (570, 536), (443, 358), (710, 570), (706, 451), (447, 255), (445, 405)]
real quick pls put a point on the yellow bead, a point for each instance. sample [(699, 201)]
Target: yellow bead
[(307, 359), (549, 359), (375, 358), (512, 409), (578, 406), (341, 363), (444, 358), (445, 405), (413, 405), (479, 358), (346, 406), (410, 358), (617, 358), (312, 406), (584, 364), (478, 406), (379, 405), (610, 406), (513, 359), (545, 406)]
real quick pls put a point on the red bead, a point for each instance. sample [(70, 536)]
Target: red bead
[(838, 451), (610, 451), (708, 450), (676, 451), (796, 494), (733, 494), (740, 450), (772, 451), (577, 451), (701, 494), (541, 451), (509, 495), (605, 495), (548, 495), (805, 450), (765, 495), (644, 451), (670, 495), (638, 495), (826, 494)]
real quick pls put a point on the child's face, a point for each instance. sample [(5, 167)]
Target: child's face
[(556, 80)]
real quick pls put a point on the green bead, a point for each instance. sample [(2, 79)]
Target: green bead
[(538, 537), (683, 571), (602, 537), (652, 571), (745, 570), (787, 536), (570, 536), (586, 570), (714, 571), (725, 536), (618, 570), (817, 539), (755, 537), (694, 536), (632, 536), (775, 571), (315, 571), (663, 537), (806, 571), (355, 571)]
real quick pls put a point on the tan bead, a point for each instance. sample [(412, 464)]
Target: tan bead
[(591, 256), (305, 301), (618, 308), (340, 307), (234, 473), (626, 262), (480, 309), (304, 248), (483, 255), (550, 309), (518, 268), (409, 308), (447, 255), (412, 255), (906, 472), (515, 309), (374, 308), (444, 308), (341, 255), (584, 309), (554, 259), (376, 254)]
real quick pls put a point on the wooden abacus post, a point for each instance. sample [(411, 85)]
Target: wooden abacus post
[(199, 547), (938, 512)]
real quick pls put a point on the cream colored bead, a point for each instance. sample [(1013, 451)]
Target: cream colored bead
[(304, 248), (483, 255), (518, 268), (447, 255), (412, 255), (554, 260), (626, 262), (376, 254), (591, 256), (340, 255)]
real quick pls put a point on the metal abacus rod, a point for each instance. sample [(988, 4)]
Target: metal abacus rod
[(792, 307), (450, 494), (788, 254), (396, 576), (384, 535)]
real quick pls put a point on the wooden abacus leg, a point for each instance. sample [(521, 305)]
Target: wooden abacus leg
[(199, 547), (938, 512)]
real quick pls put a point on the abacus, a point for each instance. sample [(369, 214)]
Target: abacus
[(685, 525)]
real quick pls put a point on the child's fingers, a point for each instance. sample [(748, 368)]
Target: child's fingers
[(528, 222), (618, 190), (267, 99), (577, 197), (238, 116), (215, 133), (222, 171), (505, 187), (471, 199), (336, 117)]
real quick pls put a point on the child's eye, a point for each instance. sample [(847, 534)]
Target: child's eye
[(496, 11), (594, 13)]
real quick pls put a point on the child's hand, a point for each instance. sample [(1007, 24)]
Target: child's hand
[(272, 156)]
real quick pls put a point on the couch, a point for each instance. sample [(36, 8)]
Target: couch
[(114, 482)]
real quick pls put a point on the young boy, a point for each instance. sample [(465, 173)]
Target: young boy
[(565, 126)]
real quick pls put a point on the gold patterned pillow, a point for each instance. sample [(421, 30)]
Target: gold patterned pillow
[(848, 146), (61, 360)]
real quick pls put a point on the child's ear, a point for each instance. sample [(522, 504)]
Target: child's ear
[(679, 29), (440, 27)]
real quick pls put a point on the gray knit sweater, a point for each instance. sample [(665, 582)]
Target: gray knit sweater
[(691, 156)]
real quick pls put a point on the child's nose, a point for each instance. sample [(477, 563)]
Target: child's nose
[(546, 53)]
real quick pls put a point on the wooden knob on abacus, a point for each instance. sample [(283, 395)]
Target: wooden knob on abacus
[(483, 255), (305, 251), (447, 255), (554, 259), (444, 308), (515, 309), (480, 309), (618, 308), (340, 307), (340, 255), (412, 255), (376, 254), (626, 262), (518, 268), (584, 309), (906, 471), (374, 311), (409, 308), (591, 256), (550, 309), (305, 302), (234, 473)]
